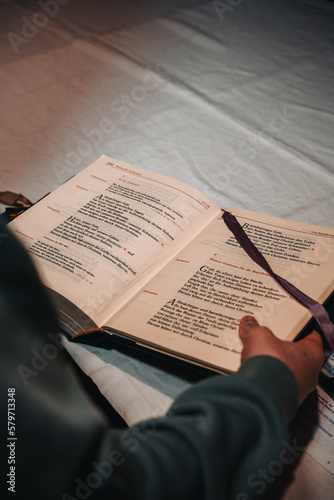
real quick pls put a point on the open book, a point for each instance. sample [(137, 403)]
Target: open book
[(150, 259)]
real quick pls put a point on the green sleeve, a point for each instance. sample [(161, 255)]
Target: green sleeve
[(225, 437)]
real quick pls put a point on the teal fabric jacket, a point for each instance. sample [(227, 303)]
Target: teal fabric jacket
[(224, 438)]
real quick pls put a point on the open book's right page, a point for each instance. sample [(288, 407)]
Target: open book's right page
[(194, 305)]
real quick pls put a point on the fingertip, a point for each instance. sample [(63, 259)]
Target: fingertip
[(246, 325)]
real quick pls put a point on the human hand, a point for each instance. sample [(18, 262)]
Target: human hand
[(304, 358), (14, 199)]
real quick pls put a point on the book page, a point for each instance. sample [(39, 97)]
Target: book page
[(195, 304), (107, 230)]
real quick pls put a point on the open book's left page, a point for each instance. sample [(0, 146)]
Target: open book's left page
[(98, 238)]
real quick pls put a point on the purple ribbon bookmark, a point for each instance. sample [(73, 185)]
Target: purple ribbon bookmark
[(317, 310)]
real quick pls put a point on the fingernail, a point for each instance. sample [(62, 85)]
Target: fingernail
[(247, 325)]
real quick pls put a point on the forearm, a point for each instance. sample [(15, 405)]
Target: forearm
[(217, 440)]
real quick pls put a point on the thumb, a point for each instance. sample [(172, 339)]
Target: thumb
[(246, 326), (256, 339)]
